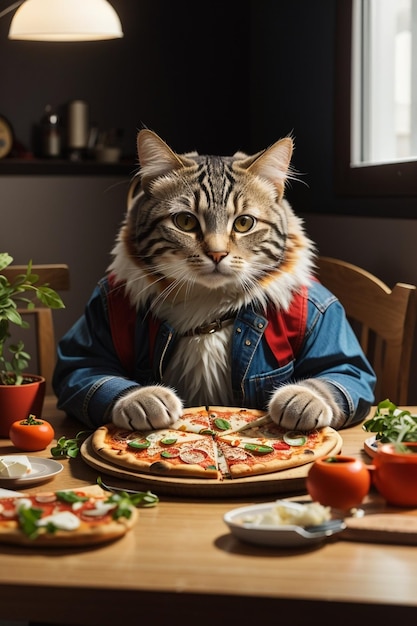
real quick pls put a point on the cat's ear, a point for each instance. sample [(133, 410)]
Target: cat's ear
[(274, 163), (156, 157)]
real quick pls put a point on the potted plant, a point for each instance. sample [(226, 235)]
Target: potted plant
[(23, 292)]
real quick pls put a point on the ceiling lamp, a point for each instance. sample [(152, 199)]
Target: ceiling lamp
[(65, 20)]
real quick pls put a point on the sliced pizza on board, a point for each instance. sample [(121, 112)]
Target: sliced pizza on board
[(194, 420), (232, 419), (268, 448), (166, 451)]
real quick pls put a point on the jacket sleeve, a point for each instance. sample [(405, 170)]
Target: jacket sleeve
[(89, 376), (332, 352)]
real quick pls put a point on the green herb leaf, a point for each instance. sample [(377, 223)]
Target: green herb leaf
[(69, 447), (28, 517), (391, 424), (145, 499), (222, 424), (70, 496)]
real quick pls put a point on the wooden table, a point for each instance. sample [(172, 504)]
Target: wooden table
[(180, 565)]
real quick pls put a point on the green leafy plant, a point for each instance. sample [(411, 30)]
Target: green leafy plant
[(391, 424), (22, 292)]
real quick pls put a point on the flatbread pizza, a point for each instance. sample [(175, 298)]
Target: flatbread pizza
[(75, 517)]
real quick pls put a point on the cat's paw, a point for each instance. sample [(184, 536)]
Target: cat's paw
[(305, 407), (147, 408)]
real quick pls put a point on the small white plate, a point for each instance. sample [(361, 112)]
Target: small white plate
[(42, 469), (269, 535)]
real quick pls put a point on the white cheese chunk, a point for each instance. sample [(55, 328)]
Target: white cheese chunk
[(290, 513), (65, 520), (23, 503), (14, 466)]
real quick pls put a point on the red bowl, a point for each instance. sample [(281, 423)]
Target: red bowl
[(395, 473)]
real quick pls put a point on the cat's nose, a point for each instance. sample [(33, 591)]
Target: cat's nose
[(217, 256)]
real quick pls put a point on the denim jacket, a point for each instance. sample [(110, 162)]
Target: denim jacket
[(89, 375)]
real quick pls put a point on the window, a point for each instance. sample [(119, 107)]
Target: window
[(376, 98)]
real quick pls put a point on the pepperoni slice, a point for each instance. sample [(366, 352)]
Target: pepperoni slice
[(235, 454), (45, 497), (193, 456)]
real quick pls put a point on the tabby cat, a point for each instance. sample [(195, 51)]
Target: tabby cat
[(205, 237), (212, 250)]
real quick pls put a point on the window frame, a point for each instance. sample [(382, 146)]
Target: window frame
[(398, 179)]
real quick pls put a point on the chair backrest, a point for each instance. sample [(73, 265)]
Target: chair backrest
[(57, 277), (383, 319)]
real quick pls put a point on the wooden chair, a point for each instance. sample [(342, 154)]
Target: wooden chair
[(57, 277), (383, 319)]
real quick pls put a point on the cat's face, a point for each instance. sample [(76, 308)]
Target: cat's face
[(211, 223)]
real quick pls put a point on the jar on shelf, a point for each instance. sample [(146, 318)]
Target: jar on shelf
[(50, 133)]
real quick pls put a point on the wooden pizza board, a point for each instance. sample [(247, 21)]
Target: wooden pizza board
[(285, 481)]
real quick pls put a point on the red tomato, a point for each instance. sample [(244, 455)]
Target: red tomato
[(31, 434)]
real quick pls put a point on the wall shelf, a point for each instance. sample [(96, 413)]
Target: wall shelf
[(48, 167)]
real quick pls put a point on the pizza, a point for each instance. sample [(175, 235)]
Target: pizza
[(65, 518), (213, 443)]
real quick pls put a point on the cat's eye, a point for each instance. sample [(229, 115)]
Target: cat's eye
[(244, 223), (186, 222)]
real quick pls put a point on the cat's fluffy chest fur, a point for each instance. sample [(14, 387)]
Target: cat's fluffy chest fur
[(200, 368)]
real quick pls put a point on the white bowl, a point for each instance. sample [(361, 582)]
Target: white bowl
[(279, 535)]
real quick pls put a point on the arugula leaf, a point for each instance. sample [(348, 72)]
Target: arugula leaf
[(145, 499), (392, 424), (69, 447), (28, 517), (70, 496)]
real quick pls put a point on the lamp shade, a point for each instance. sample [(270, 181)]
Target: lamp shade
[(65, 20)]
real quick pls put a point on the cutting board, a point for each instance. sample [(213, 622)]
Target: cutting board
[(382, 524), (284, 482)]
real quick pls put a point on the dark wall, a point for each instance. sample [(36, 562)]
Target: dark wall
[(233, 75), (180, 69), (292, 90)]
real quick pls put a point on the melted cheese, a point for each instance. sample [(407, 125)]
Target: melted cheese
[(64, 520)]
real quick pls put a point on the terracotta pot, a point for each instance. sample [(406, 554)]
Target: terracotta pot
[(339, 481), (17, 402), (394, 473)]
